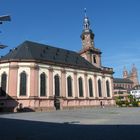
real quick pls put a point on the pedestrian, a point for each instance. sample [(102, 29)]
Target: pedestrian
[(101, 104)]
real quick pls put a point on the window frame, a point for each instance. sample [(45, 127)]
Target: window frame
[(80, 87), (58, 86), (44, 85), (108, 89), (90, 87), (100, 88), (25, 84), (69, 86)]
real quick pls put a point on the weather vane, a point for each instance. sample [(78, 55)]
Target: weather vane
[(4, 18), (85, 11)]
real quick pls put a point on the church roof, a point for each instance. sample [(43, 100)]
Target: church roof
[(122, 80), (32, 51)]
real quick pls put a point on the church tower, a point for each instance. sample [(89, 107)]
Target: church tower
[(134, 75), (125, 73), (89, 52)]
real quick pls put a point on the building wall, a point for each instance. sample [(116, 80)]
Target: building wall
[(126, 86), (35, 101)]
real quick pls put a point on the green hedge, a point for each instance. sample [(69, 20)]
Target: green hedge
[(126, 103)]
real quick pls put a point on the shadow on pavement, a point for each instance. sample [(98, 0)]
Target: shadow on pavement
[(13, 129)]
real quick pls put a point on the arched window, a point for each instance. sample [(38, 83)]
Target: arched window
[(57, 85), (23, 84), (90, 87), (43, 84), (108, 88), (80, 87), (94, 59), (69, 86), (99, 88), (3, 84)]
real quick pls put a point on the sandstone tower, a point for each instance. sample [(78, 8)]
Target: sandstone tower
[(132, 75)]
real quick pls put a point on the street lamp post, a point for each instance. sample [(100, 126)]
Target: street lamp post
[(5, 18), (2, 46)]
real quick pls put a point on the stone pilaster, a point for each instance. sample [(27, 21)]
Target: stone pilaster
[(34, 75), (12, 81), (75, 85), (95, 86), (63, 83), (111, 88), (86, 86), (50, 82), (104, 94)]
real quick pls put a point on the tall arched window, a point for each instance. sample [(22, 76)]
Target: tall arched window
[(94, 59), (90, 87), (80, 81), (23, 84), (69, 86), (57, 85), (3, 84), (108, 88), (43, 84), (99, 88)]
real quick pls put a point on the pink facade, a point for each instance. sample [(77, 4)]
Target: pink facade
[(35, 102), (13, 73)]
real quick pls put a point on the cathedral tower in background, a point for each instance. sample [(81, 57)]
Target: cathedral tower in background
[(132, 75)]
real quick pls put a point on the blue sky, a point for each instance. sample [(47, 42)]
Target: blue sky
[(115, 23)]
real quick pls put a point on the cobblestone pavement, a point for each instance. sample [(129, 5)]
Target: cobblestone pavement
[(81, 124), (83, 116)]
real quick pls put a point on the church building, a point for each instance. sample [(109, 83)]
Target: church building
[(42, 77)]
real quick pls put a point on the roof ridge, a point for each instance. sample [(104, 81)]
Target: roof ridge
[(47, 45)]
